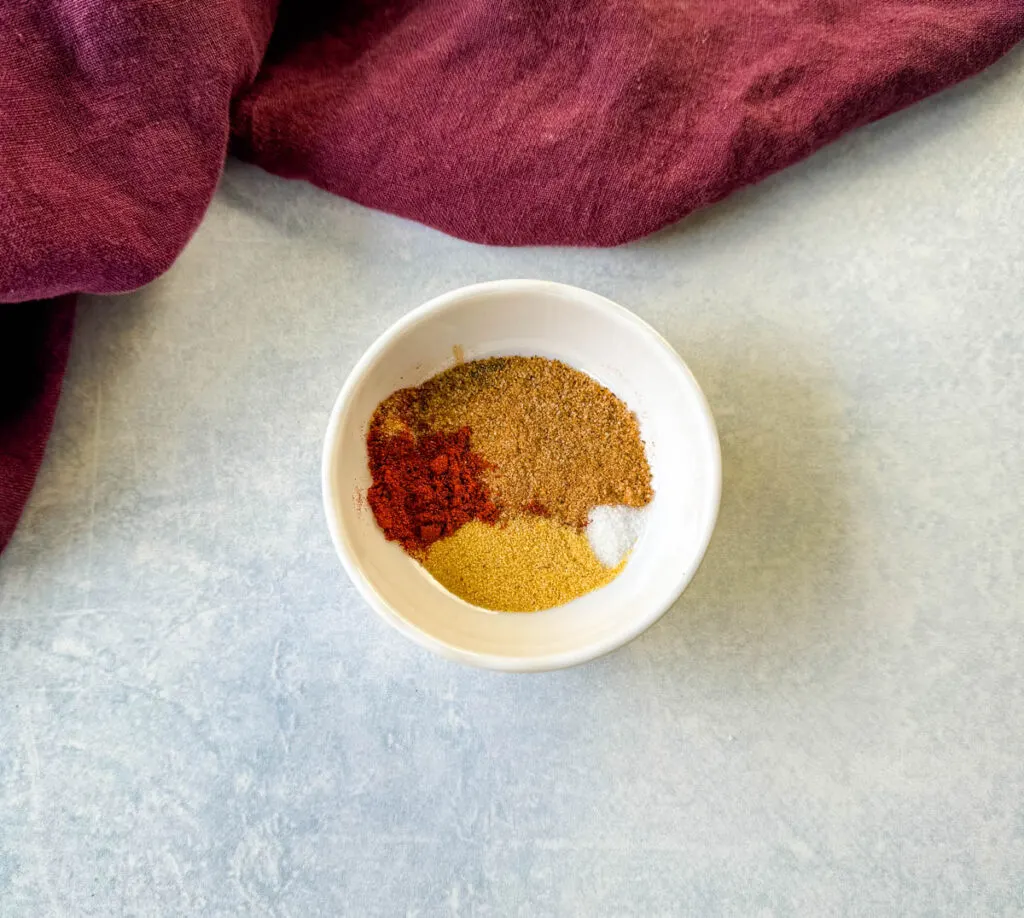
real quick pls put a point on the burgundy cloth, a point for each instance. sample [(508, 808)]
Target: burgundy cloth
[(34, 339), (584, 122)]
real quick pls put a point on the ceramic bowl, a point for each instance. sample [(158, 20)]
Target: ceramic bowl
[(613, 346)]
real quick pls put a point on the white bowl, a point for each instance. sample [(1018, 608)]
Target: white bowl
[(619, 350)]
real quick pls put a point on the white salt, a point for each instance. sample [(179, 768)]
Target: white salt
[(613, 530)]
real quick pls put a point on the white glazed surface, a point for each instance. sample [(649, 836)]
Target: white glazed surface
[(592, 334)]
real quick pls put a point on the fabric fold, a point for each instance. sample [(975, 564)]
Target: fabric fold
[(34, 343), (590, 123)]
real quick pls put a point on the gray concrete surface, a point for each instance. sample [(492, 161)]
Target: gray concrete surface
[(199, 716)]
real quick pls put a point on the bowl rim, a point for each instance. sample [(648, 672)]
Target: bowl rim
[(340, 539)]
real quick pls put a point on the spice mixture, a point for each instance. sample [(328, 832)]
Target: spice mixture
[(488, 474), (552, 436)]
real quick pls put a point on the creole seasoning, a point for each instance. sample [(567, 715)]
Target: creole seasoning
[(488, 471)]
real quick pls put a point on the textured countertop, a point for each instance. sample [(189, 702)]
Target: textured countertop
[(199, 716)]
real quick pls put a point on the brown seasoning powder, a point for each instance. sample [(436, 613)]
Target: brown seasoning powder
[(558, 441)]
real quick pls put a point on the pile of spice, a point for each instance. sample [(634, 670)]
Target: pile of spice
[(490, 472)]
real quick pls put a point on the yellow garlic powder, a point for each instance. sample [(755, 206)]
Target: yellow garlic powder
[(525, 565)]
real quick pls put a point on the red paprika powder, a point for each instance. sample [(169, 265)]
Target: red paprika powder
[(424, 489)]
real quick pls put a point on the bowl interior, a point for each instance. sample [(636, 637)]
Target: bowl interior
[(595, 336)]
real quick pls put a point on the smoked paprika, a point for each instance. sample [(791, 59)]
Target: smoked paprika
[(425, 488)]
